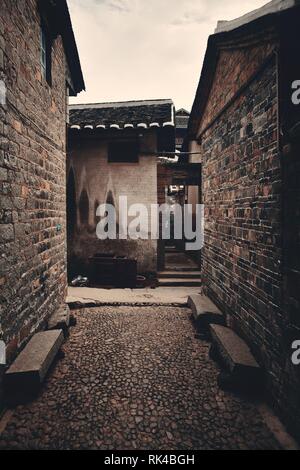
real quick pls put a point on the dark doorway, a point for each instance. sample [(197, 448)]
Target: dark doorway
[(179, 184)]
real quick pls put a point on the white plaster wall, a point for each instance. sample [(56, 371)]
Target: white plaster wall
[(137, 181)]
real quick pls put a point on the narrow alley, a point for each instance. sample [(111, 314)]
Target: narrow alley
[(143, 382), (149, 226)]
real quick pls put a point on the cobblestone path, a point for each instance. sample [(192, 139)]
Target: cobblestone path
[(136, 378)]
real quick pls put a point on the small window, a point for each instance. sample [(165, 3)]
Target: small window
[(123, 152), (46, 48)]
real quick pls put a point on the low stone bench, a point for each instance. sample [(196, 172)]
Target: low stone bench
[(205, 312), (60, 320), (242, 370), (25, 376)]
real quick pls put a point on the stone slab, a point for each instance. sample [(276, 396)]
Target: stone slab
[(234, 352), (29, 369), (60, 320), (205, 311), (179, 274), (179, 282), (86, 296)]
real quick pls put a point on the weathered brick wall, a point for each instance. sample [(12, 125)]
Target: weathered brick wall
[(32, 176), (289, 70), (288, 395), (242, 193), (239, 65)]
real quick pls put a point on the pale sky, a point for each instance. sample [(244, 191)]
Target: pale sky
[(146, 49)]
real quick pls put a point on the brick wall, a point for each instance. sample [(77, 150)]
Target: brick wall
[(242, 193), (288, 394), (32, 176), (239, 65), (289, 70)]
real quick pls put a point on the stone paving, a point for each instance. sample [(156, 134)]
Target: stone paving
[(136, 378), (88, 296)]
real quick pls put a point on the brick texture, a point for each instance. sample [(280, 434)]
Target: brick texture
[(241, 188), (239, 65), (242, 192), (32, 176)]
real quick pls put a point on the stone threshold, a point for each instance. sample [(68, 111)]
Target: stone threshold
[(86, 303)]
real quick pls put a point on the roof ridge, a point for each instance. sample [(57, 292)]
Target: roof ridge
[(110, 104), (273, 6)]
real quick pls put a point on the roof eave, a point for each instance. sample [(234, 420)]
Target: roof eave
[(60, 22), (71, 50)]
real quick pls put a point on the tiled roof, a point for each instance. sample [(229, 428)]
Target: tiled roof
[(182, 122), (182, 112), (182, 117), (275, 6), (152, 113)]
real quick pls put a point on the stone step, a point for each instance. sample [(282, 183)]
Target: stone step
[(172, 249), (179, 282), (60, 320), (181, 269), (243, 370), (205, 312), (26, 374), (179, 274)]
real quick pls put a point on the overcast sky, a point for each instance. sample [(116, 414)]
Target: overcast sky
[(146, 49)]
